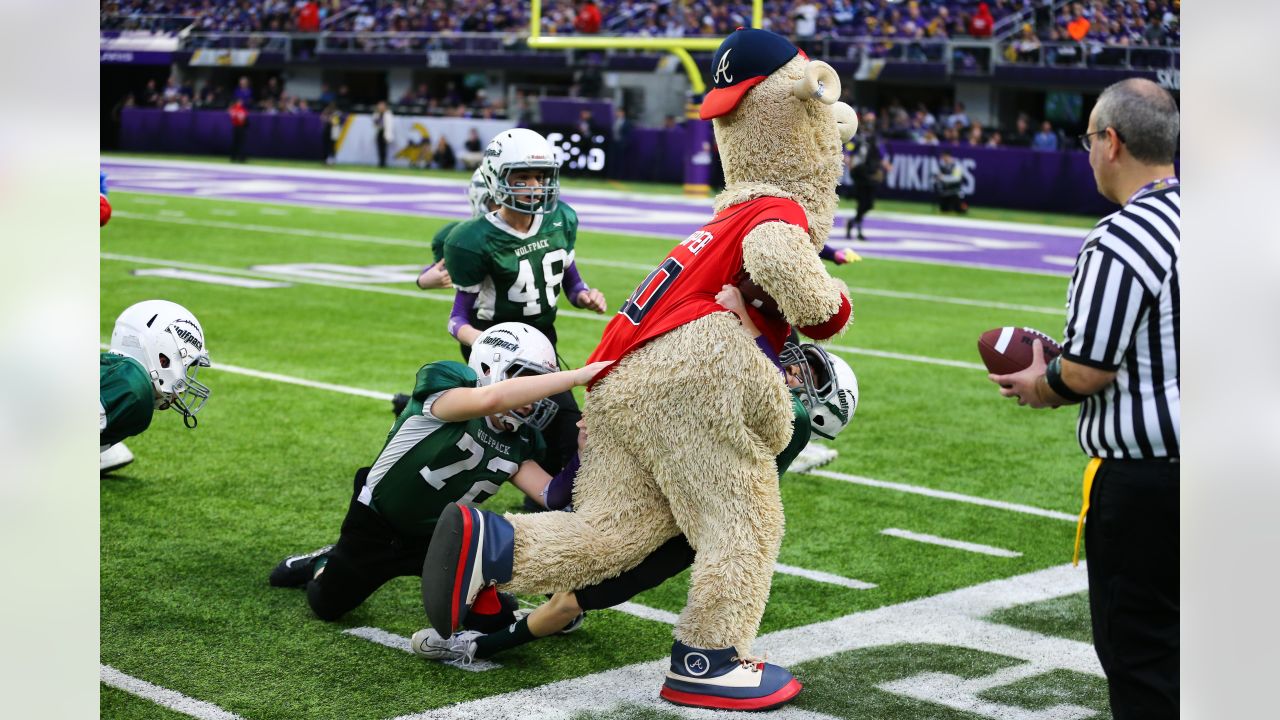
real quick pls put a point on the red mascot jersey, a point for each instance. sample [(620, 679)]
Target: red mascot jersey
[(683, 288)]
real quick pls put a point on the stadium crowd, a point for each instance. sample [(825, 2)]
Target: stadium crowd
[(1111, 22)]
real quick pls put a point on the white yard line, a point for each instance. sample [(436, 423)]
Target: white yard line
[(165, 697), (947, 542), (277, 377), (903, 356), (210, 278), (639, 267), (953, 618), (944, 495), (646, 612), (441, 296), (823, 577), (402, 643)]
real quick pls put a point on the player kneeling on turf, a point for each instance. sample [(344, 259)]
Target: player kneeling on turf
[(157, 347), (824, 398), (466, 430)]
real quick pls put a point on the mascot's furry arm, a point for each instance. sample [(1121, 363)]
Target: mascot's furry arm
[(781, 259)]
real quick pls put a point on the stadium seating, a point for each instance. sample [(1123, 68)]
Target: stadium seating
[(1112, 22)]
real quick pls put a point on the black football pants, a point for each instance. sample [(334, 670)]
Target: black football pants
[(1132, 541)]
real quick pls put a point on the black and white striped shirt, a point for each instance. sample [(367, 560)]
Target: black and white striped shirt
[(1122, 315)]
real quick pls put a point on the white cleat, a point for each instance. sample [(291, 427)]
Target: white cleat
[(114, 458), (812, 456), (459, 648)]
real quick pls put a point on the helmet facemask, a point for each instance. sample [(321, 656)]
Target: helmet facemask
[(530, 201), (542, 412), (829, 404)]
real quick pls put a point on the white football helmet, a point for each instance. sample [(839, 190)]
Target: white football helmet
[(478, 193), (519, 149), (169, 343), (828, 389), (513, 349)]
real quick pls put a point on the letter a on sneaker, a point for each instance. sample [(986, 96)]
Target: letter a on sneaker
[(717, 679), (470, 550)]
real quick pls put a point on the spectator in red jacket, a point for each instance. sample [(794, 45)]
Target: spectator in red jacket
[(588, 19), (309, 17), (239, 129), (981, 24)]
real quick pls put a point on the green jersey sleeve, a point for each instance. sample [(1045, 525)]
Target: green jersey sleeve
[(570, 224), (126, 399), (437, 242), (801, 431), (437, 377), (465, 255)]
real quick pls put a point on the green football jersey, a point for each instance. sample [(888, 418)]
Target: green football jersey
[(801, 432), (125, 396), (437, 241), (428, 463), (517, 277)]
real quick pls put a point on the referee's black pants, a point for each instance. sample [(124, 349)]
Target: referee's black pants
[(1132, 541)]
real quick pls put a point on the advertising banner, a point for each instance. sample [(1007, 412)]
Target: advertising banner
[(413, 138), (999, 177), (223, 57)]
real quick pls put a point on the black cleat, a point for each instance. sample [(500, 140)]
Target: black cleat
[(296, 571), (399, 402)]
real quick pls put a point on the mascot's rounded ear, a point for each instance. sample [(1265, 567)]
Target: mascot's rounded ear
[(846, 121), (820, 82)]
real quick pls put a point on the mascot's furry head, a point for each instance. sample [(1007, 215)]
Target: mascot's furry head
[(779, 123)]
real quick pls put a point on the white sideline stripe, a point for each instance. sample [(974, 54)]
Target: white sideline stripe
[(646, 612), (345, 389), (903, 356), (277, 377), (164, 697), (210, 278), (823, 577), (958, 301), (441, 296), (954, 618), (944, 495), (400, 642), (675, 199), (377, 240), (947, 542)]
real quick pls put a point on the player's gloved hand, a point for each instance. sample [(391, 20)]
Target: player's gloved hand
[(591, 299)]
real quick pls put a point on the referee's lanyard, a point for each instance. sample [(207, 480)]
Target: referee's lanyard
[(1160, 184), (1089, 471)]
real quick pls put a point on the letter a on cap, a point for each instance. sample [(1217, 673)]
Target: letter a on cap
[(742, 61)]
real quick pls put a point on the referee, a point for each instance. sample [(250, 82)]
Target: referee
[(1120, 363)]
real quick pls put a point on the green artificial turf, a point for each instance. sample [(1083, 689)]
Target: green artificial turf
[(192, 528)]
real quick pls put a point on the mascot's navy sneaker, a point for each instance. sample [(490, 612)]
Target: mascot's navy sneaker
[(470, 550), (717, 679)]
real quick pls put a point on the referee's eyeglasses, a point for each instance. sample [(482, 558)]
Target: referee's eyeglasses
[(1086, 140)]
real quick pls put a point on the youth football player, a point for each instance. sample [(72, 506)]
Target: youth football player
[(512, 264), (157, 347), (467, 429)]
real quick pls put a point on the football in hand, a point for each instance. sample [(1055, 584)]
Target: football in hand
[(756, 297), (1008, 349)]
